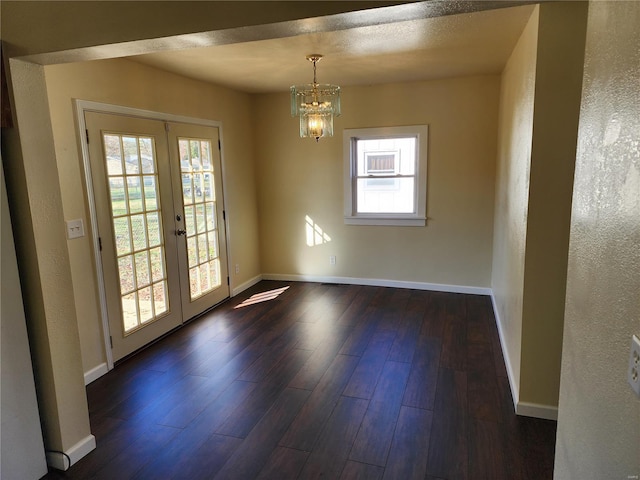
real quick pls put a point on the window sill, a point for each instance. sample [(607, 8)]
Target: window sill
[(388, 221)]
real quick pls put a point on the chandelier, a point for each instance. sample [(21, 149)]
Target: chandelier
[(316, 104)]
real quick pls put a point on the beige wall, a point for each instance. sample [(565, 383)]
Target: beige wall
[(299, 178), (122, 82), (45, 273), (539, 112), (599, 420), (517, 94), (559, 66)]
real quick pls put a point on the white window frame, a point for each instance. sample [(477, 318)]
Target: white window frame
[(418, 218)]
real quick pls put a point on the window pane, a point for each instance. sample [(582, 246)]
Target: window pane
[(131, 163), (203, 251), (189, 221), (135, 194), (160, 297), (386, 156), (192, 251), (194, 282), (139, 232), (144, 304), (142, 268), (150, 193), (157, 266), (113, 154), (118, 197), (123, 235), (130, 311), (384, 195), (146, 155), (214, 271), (200, 218), (125, 267), (153, 227), (211, 216)]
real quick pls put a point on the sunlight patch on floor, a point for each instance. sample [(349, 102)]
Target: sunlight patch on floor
[(262, 297)]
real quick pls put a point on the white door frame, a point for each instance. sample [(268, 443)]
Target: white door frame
[(82, 106)]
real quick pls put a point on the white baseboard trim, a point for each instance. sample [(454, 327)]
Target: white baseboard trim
[(505, 354), (59, 460), (376, 282), (526, 409), (95, 373), (248, 284)]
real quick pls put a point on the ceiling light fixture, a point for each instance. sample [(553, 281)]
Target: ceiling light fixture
[(316, 105)]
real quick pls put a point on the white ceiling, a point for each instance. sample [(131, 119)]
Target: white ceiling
[(407, 51)]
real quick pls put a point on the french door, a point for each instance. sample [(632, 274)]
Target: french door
[(158, 196)]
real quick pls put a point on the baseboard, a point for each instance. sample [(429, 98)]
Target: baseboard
[(244, 286), (375, 282), (526, 409), (62, 461), (95, 373), (505, 355)]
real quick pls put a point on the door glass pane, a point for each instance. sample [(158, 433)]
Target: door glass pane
[(137, 228), (198, 192)]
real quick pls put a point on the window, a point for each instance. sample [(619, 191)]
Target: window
[(385, 176)]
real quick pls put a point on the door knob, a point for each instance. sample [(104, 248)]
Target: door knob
[(181, 232)]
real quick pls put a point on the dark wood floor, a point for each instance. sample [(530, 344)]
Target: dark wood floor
[(325, 381)]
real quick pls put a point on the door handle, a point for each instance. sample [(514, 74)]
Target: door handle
[(181, 232)]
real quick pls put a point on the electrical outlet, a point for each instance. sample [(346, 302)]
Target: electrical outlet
[(633, 373), (332, 260), (237, 268)]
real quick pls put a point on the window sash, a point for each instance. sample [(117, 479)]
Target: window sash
[(417, 215)]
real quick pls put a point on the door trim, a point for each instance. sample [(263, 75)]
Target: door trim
[(82, 106)]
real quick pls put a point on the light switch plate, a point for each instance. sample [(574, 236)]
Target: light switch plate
[(633, 373), (75, 228)]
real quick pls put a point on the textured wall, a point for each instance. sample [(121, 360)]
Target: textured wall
[(559, 65), (43, 259), (21, 437), (512, 192), (298, 177), (599, 416)]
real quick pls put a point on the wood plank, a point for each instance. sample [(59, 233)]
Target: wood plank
[(421, 387), (190, 406), (478, 324), (434, 316), (209, 458), (409, 329), (361, 471), (307, 426), (319, 361), (330, 453), (252, 454), (283, 463), (410, 447), (376, 432), (484, 396), (177, 455), (474, 432), (454, 345), (357, 307), (365, 377), (487, 450), (357, 341), (247, 414), (448, 450), (144, 449)]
